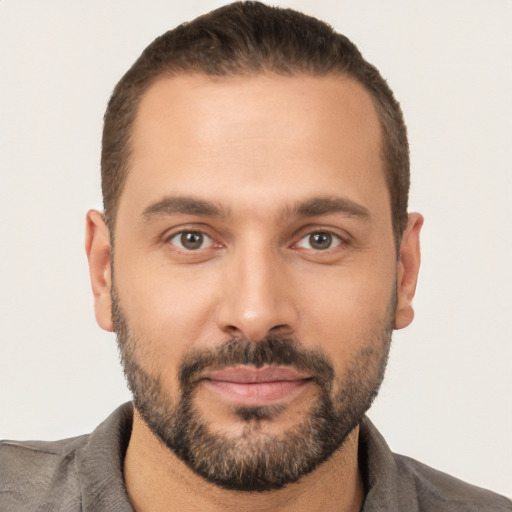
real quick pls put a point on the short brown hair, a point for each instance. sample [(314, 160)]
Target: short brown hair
[(247, 38)]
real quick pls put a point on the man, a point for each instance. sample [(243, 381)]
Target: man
[(253, 257)]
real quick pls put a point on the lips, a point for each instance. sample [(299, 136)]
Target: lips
[(255, 386)]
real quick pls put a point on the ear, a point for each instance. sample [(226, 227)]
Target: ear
[(408, 268), (97, 247)]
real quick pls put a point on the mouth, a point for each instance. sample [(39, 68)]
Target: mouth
[(255, 387)]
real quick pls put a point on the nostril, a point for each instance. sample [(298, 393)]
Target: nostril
[(279, 328), (233, 330)]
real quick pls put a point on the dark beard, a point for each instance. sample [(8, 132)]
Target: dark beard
[(251, 460)]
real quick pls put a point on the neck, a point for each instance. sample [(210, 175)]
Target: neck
[(157, 480)]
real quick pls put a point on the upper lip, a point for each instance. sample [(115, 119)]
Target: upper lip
[(252, 375)]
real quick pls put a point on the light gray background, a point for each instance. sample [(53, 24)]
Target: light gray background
[(447, 397)]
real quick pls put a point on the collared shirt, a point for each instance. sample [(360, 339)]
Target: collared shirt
[(86, 474)]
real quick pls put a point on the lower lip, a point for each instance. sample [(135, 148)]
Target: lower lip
[(256, 393)]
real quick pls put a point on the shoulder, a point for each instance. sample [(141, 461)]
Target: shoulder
[(396, 482), (39, 472), (436, 490), (70, 475)]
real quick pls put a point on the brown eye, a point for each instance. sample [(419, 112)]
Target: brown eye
[(319, 241), (191, 240)]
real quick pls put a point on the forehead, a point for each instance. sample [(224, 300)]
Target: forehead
[(283, 136)]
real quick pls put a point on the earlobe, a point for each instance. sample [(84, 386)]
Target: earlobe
[(97, 247), (408, 269)]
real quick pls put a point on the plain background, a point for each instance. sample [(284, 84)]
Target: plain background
[(447, 397)]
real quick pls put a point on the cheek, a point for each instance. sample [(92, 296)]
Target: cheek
[(170, 309), (352, 311)]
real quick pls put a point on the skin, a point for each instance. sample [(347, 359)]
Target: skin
[(255, 147)]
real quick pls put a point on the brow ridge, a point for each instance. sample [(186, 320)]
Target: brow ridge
[(318, 206), (183, 205)]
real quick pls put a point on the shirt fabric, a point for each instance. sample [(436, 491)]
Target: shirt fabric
[(86, 474)]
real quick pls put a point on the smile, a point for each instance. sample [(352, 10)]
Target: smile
[(255, 386)]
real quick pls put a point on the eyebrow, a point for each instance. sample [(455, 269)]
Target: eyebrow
[(327, 205), (313, 207), (183, 205)]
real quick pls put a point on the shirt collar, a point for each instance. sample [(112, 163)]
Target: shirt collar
[(100, 463)]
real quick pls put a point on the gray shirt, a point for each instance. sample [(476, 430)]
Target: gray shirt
[(86, 474)]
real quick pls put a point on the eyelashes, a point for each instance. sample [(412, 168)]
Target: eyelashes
[(191, 240), (195, 241), (319, 241)]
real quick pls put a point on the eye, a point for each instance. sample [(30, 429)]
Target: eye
[(191, 240), (319, 241)]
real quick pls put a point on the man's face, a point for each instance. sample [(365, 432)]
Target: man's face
[(255, 270)]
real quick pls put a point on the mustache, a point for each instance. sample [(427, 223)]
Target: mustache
[(270, 351)]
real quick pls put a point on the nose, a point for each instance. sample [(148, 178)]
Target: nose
[(257, 296)]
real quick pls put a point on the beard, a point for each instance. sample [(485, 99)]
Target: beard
[(254, 460)]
